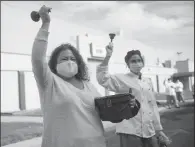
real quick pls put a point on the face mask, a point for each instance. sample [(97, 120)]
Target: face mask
[(67, 69), (136, 67)]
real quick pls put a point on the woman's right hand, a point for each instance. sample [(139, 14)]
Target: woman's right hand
[(163, 138), (44, 14), (109, 49)]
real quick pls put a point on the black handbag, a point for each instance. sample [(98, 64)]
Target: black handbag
[(116, 108)]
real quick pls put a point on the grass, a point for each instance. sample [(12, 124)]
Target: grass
[(13, 132)]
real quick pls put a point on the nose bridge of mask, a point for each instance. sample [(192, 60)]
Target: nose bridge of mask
[(70, 62), (67, 63)]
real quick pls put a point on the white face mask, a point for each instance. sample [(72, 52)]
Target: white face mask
[(136, 67), (136, 64), (67, 69)]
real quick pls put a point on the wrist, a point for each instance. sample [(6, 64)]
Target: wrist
[(42, 34), (108, 56), (45, 26)]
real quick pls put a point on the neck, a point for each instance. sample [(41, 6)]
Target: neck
[(138, 73), (67, 79)]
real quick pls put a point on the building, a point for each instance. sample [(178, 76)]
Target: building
[(185, 74), (18, 86)]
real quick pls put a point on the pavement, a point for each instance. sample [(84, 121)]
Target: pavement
[(178, 125), (36, 142)]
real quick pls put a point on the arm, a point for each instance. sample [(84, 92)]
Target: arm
[(40, 67), (106, 80), (39, 64), (157, 123), (165, 83), (110, 82), (181, 85)]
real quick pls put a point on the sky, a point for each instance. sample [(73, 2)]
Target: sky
[(163, 27)]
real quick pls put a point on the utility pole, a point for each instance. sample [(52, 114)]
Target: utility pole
[(158, 61)]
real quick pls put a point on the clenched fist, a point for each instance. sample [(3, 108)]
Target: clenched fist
[(44, 14), (109, 49)]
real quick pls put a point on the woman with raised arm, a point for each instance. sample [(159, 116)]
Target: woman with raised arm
[(67, 96), (140, 130)]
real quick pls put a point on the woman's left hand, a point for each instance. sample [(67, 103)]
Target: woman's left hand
[(132, 102)]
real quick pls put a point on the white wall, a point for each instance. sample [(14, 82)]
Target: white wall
[(158, 70), (15, 62), (9, 91), (191, 65), (31, 92)]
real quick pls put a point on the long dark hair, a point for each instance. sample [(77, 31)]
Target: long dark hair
[(82, 68)]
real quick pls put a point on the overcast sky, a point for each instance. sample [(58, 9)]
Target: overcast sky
[(162, 25)]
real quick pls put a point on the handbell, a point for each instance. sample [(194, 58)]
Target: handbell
[(35, 15), (112, 35)]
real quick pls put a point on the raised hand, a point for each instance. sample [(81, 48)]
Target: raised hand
[(44, 14), (109, 49)]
